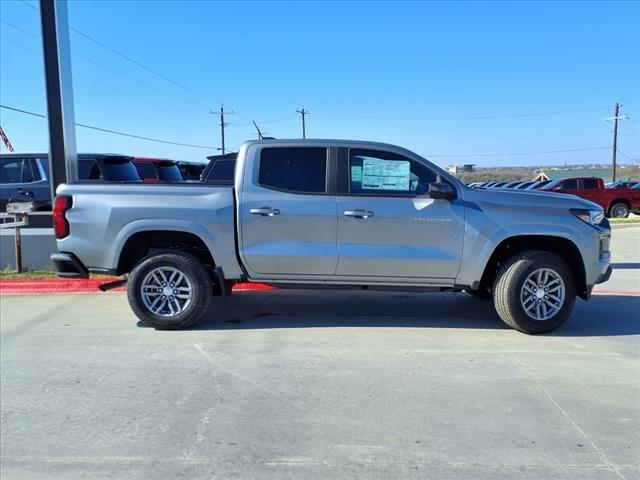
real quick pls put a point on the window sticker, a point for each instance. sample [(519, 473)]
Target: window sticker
[(380, 174)]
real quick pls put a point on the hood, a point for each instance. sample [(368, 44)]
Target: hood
[(525, 198)]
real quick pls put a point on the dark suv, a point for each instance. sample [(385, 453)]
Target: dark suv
[(24, 177)]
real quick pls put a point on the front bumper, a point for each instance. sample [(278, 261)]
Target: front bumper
[(68, 265), (605, 276)]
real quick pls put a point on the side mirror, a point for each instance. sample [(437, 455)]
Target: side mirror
[(442, 191)]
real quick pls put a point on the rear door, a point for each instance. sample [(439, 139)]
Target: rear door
[(388, 227), (287, 212), (591, 190)]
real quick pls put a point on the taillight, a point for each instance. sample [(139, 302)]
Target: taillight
[(60, 224)]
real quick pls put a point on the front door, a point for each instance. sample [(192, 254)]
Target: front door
[(288, 213), (389, 227)]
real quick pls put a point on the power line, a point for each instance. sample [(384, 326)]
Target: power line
[(628, 157), (517, 154), (476, 117), (132, 60), (115, 132)]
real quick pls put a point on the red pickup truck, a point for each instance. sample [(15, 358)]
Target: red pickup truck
[(617, 202)]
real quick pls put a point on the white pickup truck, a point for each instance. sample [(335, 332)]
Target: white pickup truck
[(309, 213)]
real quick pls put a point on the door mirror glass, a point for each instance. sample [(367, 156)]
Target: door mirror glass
[(441, 191)]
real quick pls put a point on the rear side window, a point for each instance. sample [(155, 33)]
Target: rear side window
[(569, 185), (18, 170), (301, 170), (590, 184)]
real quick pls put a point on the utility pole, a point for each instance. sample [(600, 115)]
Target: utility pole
[(303, 112), (615, 119), (258, 129), (222, 124)]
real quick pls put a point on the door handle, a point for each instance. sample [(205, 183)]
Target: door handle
[(265, 211), (28, 193), (359, 213)]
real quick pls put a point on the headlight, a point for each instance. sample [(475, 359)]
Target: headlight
[(592, 217)]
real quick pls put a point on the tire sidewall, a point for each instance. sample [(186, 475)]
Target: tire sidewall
[(555, 263), (191, 267), (616, 205)]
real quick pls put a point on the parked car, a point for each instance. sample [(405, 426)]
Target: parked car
[(24, 177), (523, 185), (511, 184), (538, 185), (616, 202), (333, 213), (154, 170), (622, 184), (191, 171)]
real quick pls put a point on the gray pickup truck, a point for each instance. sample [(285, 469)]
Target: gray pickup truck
[(333, 213)]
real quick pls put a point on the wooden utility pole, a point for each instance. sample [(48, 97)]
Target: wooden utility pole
[(303, 112), (222, 124), (615, 141), (615, 119)]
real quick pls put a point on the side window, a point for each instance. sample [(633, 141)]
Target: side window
[(384, 173), (569, 185), (590, 184), (302, 170), (11, 170), (31, 172)]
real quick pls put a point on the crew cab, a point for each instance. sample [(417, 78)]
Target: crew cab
[(338, 214), (616, 202)]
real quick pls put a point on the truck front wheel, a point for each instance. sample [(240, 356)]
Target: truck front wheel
[(169, 290), (534, 292)]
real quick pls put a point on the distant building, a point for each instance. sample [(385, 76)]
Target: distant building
[(466, 168)]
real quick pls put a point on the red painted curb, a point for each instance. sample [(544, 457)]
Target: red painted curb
[(62, 285)]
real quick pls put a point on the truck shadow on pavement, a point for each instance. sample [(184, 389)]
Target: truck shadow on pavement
[(603, 315)]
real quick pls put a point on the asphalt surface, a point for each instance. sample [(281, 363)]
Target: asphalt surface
[(323, 384)]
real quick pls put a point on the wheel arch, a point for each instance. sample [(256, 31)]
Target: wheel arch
[(141, 242), (561, 246)]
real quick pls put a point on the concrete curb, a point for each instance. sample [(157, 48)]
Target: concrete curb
[(72, 286)]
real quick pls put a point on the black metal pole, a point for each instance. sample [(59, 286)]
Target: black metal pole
[(58, 82)]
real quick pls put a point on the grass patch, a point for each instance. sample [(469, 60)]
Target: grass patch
[(35, 274)]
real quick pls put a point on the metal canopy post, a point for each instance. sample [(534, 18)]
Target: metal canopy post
[(63, 158)]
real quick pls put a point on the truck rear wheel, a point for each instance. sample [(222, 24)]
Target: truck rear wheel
[(534, 292), (619, 210), (169, 290)]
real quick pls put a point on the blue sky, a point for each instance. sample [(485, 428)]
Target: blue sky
[(414, 74)]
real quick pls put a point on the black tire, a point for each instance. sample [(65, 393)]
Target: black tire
[(619, 210), (482, 293), (508, 289), (196, 274)]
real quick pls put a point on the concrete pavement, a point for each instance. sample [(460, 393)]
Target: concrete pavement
[(322, 385)]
